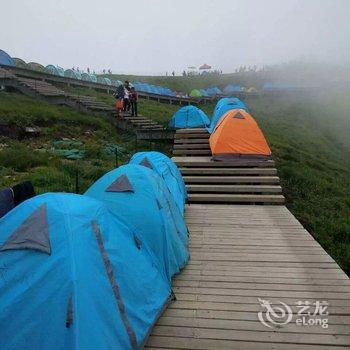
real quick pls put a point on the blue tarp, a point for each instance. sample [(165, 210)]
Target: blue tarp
[(168, 171), (140, 198), (6, 59), (75, 277), (189, 117), (223, 106)]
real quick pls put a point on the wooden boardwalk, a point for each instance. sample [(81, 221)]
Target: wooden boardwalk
[(243, 253)]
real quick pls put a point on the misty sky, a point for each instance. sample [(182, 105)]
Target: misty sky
[(155, 36)]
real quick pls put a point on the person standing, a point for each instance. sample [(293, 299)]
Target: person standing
[(126, 96), (133, 101)]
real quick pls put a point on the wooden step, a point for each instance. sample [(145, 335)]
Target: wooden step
[(192, 152), (192, 131), (234, 189), (228, 171), (206, 162), (145, 122), (231, 179), (235, 198), (191, 136), (190, 141), (192, 146)]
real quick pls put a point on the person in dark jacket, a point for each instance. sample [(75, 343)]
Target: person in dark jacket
[(133, 97), (11, 197)]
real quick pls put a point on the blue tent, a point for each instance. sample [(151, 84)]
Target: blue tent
[(222, 107), (70, 73), (189, 117), (55, 70), (168, 171), (213, 91), (204, 93), (6, 59), (138, 196), (73, 276)]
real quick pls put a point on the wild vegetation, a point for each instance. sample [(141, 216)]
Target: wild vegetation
[(71, 151), (309, 136)]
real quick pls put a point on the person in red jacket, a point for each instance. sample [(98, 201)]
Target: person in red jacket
[(133, 97)]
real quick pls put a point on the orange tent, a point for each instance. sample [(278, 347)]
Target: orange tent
[(237, 135)]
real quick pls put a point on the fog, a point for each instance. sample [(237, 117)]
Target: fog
[(158, 36)]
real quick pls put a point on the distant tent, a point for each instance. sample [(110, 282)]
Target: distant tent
[(237, 135), (36, 66), (138, 196), (195, 93), (213, 91), (70, 73), (116, 83), (223, 106), (89, 77), (205, 66), (231, 89), (5, 59), (55, 70), (168, 171), (19, 62), (189, 117), (252, 89), (103, 80), (74, 276), (204, 93)]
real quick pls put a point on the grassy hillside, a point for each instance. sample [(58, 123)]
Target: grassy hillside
[(43, 158), (310, 141)]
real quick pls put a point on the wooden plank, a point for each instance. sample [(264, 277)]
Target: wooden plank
[(208, 162), (231, 179), (228, 171), (191, 141), (191, 146), (175, 342), (235, 198), (191, 136), (192, 152), (254, 325), (234, 188), (274, 337), (192, 131)]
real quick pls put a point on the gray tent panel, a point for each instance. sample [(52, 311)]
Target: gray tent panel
[(32, 234), (122, 184), (145, 162), (239, 115)]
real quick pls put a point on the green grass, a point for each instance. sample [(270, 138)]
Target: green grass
[(35, 158), (309, 137)]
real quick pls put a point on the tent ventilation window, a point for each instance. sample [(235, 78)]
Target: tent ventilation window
[(239, 116), (122, 184), (145, 162)]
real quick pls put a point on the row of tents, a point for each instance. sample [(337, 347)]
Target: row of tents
[(94, 271), (234, 133)]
